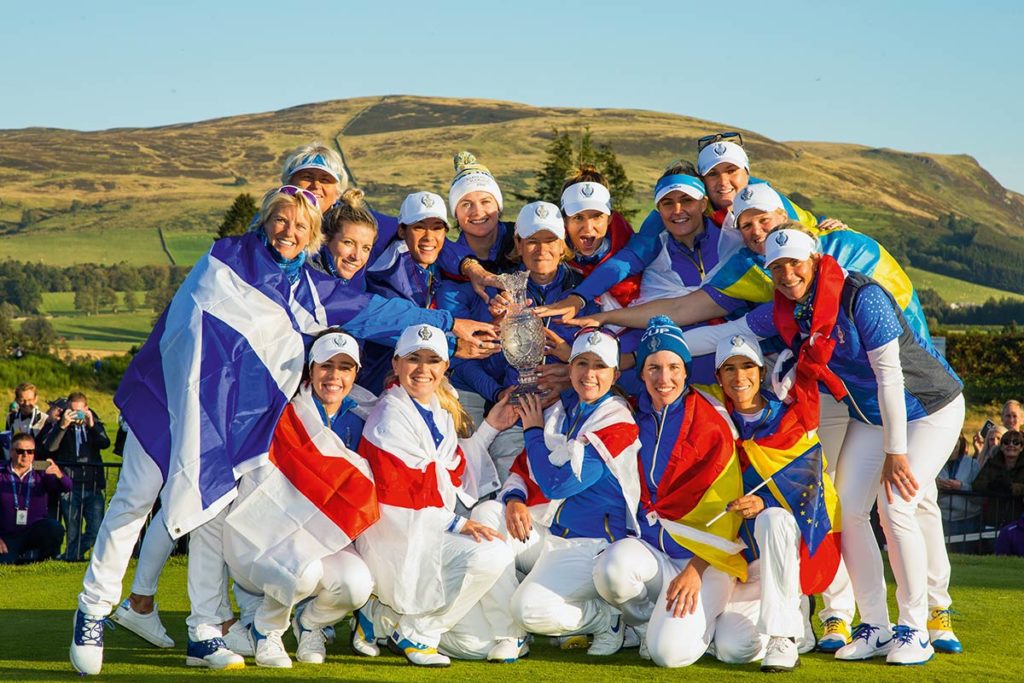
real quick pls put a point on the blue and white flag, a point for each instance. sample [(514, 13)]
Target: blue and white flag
[(207, 388)]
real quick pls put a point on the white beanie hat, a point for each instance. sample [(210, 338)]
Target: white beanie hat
[(471, 176)]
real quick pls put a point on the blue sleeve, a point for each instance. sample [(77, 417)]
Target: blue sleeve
[(451, 257), (724, 301), (387, 228), (750, 481), (514, 492), (630, 260), (560, 482), (477, 376), (761, 322), (875, 317), (381, 319)]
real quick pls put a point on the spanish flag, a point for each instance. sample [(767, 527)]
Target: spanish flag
[(702, 477)]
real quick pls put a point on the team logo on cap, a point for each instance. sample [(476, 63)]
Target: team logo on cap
[(719, 149), (542, 211), (737, 340), (781, 239), (587, 190), (594, 339), (746, 194), (427, 201), (425, 333)]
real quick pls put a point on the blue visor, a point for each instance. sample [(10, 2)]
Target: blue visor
[(686, 184)]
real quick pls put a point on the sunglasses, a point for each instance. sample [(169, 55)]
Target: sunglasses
[(728, 137), (1013, 442), (292, 191), (25, 451)]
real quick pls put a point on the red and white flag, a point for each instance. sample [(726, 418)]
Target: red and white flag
[(310, 498)]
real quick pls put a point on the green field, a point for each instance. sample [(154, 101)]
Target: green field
[(102, 332), (955, 291), (36, 616)]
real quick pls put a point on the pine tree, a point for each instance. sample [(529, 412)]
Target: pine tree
[(558, 166), (564, 157), (237, 218)]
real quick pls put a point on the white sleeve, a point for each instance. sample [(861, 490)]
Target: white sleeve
[(703, 340), (481, 477), (892, 404)]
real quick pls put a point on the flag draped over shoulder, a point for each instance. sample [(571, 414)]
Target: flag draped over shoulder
[(310, 498), (794, 461), (702, 477)]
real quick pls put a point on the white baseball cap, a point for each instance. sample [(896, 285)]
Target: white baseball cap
[(585, 196), (738, 345), (422, 205), (417, 337), (601, 343), (721, 152), (788, 244), (330, 345), (756, 196), (537, 216)]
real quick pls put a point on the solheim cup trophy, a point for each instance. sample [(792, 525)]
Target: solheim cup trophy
[(522, 335)]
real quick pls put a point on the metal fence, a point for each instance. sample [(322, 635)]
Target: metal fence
[(971, 521)]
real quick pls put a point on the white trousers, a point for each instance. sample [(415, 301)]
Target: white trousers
[(913, 529), (834, 419), (207, 580), (157, 547), (492, 513), (339, 583), (475, 574), (634, 577), (770, 602), (558, 597), (137, 489)]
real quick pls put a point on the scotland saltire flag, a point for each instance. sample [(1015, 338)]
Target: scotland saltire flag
[(204, 393)]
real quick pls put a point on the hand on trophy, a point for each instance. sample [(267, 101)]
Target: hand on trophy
[(500, 305), (553, 379), (530, 411), (503, 415), (475, 339), (567, 308), (555, 346)]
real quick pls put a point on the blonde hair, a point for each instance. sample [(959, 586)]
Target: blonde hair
[(275, 198), (448, 399), (305, 152), (351, 208)]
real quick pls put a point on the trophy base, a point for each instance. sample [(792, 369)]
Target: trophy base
[(523, 390)]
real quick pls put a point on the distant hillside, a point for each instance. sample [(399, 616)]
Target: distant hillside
[(148, 195)]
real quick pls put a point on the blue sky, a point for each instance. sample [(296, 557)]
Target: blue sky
[(936, 76)]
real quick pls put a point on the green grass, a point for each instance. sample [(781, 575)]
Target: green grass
[(104, 331), (37, 602), (188, 247), (957, 291)]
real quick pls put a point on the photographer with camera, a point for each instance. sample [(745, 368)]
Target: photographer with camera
[(24, 488), (76, 442)]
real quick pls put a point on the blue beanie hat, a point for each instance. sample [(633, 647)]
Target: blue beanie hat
[(662, 335)]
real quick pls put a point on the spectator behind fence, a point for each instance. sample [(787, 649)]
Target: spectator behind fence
[(24, 524), (1004, 474), (26, 418), (985, 446), (1013, 415), (959, 513), (76, 442)]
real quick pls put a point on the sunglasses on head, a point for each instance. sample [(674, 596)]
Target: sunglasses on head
[(25, 451), (292, 190), (728, 137)]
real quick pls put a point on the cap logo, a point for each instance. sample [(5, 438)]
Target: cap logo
[(587, 190), (653, 344), (427, 201), (781, 239), (746, 194), (425, 333), (594, 339), (719, 149), (542, 211), (737, 340)]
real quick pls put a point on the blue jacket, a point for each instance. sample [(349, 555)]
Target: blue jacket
[(593, 505), (345, 423)]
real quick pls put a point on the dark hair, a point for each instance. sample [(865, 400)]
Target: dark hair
[(586, 174), (22, 436), (1011, 434), (77, 396), (330, 330)]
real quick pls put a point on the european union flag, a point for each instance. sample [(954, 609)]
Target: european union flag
[(800, 483)]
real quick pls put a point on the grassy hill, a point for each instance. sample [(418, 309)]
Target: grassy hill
[(156, 195)]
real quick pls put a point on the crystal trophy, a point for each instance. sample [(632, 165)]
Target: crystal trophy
[(522, 335)]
